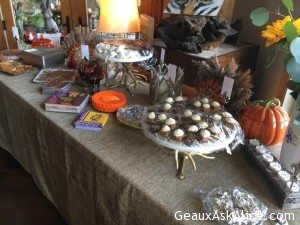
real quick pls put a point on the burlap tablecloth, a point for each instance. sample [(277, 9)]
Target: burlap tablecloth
[(113, 177)]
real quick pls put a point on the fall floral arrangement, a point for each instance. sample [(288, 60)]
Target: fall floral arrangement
[(73, 41), (92, 72), (283, 35)]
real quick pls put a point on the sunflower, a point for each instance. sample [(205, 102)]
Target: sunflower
[(297, 25), (274, 33)]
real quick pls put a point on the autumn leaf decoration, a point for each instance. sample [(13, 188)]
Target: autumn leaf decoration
[(210, 80)]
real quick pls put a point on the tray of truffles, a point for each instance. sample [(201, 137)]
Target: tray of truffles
[(124, 50), (191, 125), (15, 68), (285, 190), (63, 75)]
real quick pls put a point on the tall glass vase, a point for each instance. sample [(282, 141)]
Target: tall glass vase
[(290, 151)]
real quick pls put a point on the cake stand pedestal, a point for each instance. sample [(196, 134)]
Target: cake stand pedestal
[(181, 159), (184, 152), (130, 77)]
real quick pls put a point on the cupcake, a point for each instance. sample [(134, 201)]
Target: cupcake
[(197, 104), (151, 118), (216, 105), (193, 129), (204, 135), (206, 107), (187, 114), (192, 135), (169, 100), (196, 118), (215, 130), (225, 116), (202, 125), (171, 123), (179, 99), (205, 100), (230, 123), (162, 118), (217, 118), (165, 131), (179, 102), (178, 135), (167, 107)]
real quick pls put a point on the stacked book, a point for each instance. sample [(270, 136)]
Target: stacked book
[(91, 120), (70, 101)]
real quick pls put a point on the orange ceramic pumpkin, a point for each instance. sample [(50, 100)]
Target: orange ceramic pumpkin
[(266, 121)]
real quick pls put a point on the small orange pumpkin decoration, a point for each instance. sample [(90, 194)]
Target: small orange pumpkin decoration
[(266, 121)]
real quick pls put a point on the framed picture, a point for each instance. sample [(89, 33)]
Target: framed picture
[(194, 7)]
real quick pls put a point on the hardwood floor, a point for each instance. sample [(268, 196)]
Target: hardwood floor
[(21, 202)]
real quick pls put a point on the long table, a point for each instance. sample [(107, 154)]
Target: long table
[(113, 177)]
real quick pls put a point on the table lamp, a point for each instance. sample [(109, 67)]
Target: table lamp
[(122, 17), (119, 16)]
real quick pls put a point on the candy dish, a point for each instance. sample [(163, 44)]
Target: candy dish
[(108, 101), (124, 50), (131, 115)]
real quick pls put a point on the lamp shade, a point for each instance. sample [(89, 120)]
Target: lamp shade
[(119, 16)]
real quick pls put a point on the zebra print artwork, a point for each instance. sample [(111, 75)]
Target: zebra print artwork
[(194, 7)]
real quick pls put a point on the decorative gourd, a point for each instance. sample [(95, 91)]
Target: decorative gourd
[(266, 121)]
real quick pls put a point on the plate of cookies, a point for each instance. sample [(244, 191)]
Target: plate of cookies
[(198, 125)]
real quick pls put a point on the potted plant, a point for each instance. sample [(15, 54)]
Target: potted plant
[(283, 35)]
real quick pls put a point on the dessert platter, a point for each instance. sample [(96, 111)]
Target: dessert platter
[(192, 127), (47, 75), (15, 67), (124, 50)]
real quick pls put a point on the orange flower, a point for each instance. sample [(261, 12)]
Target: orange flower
[(274, 33)]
